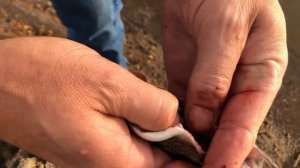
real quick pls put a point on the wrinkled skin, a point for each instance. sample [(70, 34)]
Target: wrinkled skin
[(230, 59), (65, 103)]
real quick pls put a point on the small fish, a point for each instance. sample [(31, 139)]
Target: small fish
[(177, 141)]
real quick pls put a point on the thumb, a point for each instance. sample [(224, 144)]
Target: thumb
[(219, 46), (141, 103)]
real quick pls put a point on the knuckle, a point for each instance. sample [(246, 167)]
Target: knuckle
[(215, 85), (276, 67), (274, 71), (248, 134), (209, 92)]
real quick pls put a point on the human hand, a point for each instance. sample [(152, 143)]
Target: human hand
[(60, 100), (225, 59)]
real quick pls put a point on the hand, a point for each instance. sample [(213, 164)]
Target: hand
[(225, 59), (60, 100)]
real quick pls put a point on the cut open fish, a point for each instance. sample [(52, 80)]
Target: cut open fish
[(179, 142)]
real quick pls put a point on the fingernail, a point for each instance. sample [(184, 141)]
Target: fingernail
[(200, 119)]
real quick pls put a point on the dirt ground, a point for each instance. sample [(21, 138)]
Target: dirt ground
[(280, 133)]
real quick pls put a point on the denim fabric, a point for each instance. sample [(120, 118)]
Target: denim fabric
[(95, 23)]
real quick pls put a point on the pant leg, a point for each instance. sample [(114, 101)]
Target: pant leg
[(95, 23)]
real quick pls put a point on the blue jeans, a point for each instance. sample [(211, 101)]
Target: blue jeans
[(96, 24)]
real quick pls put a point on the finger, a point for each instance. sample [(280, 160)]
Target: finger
[(141, 154), (157, 158), (220, 40), (108, 139), (255, 85), (179, 49), (138, 102)]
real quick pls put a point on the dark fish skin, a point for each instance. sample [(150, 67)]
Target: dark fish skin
[(177, 147)]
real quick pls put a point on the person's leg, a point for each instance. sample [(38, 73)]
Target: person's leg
[(95, 23)]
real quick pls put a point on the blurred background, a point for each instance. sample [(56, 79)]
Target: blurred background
[(280, 133)]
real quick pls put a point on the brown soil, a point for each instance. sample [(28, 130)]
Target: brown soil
[(280, 133)]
